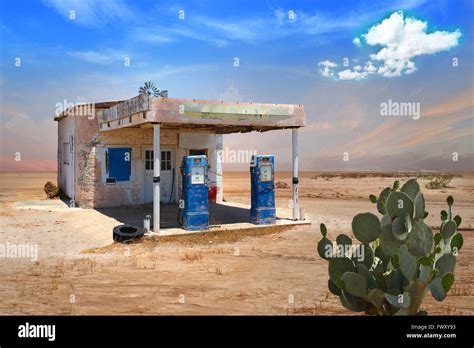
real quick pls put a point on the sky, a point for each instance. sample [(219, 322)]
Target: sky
[(385, 85)]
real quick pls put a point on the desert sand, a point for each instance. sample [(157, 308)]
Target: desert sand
[(81, 271)]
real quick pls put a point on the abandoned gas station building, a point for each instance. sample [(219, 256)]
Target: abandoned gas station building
[(125, 153)]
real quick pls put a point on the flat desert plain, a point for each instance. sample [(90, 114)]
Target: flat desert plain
[(80, 270)]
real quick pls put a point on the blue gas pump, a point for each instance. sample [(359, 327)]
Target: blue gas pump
[(195, 213), (262, 183)]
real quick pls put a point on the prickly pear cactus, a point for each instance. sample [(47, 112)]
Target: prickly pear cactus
[(398, 258)]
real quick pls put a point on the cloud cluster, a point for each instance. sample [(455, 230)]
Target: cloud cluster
[(402, 39), (327, 68)]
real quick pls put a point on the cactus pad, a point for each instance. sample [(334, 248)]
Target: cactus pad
[(366, 227), (448, 229), (381, 201), (355, 284), (437, 290), (388, 242), (338, 266), (343, 239), (408, 263), (419, 206), (411, 188), (446, 264), (420, 240), (400, 204), (398, 229)]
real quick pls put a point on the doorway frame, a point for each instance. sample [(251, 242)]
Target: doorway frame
[(173, 150)]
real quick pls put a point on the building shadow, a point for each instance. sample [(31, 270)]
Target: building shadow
[(219, 214)]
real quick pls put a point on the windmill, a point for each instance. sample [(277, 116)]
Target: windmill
[(150, 89)]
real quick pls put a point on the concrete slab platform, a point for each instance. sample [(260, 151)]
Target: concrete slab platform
[(221, 215), (225, 216), (45, 204), (229, 227)]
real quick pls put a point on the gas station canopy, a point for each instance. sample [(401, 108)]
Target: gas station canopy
[(218, 116)]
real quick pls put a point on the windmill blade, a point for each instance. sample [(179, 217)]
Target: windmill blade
[(150, 89)]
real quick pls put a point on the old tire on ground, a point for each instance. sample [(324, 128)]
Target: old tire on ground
[(127, 233)]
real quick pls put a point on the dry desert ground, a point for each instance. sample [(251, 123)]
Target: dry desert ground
[(278, 272)]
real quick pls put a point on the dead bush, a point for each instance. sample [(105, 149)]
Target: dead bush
[(282, 185), (192, 256), (439, 181)]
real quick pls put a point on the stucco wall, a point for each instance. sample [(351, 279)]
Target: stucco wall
[(90, 188), (219, 170), (66, 134)]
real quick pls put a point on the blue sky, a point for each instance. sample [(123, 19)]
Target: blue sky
[(281, 46)]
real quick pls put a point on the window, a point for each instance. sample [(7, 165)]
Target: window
[(197, 152), (165, 160), (118, 163), (66, 153), (148, 159)]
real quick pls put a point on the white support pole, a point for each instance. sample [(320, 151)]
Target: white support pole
[(219, 172), (156, 177), (294, 146)]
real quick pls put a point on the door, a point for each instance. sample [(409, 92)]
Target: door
[(67, 168), (167, 184)]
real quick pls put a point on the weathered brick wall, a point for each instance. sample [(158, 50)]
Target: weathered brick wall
[(85, 152), (91, 190)]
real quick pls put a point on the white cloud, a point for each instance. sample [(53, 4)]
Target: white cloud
[(156, 38), (349, 74), (280, 16), (172, 34), (327, 68), (370, 68), (176, 70), (92, 13), (243, 30), (198, 35), (264, 27), (96, 57), (402, 39), (356, 41)]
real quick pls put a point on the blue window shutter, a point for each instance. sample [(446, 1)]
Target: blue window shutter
[(119, 168)]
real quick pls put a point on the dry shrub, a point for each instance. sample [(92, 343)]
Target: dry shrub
[(439, 181), (282, 185), (51, 190), (192, 256)]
